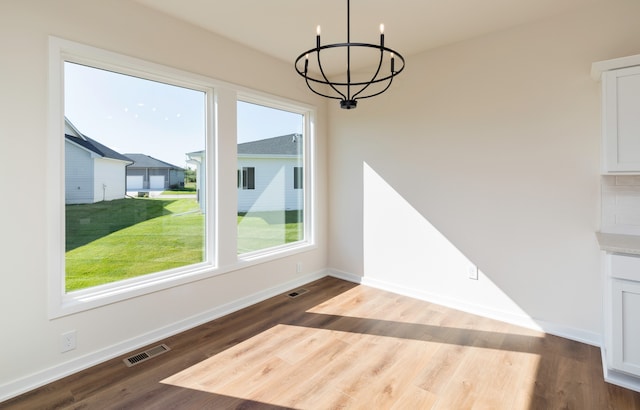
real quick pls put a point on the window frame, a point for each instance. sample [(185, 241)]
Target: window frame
[(62, 303), (221, 256)]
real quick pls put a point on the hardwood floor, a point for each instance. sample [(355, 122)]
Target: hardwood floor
[(342, 345)]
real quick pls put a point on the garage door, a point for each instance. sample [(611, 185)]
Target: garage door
[(156, 182), (134, 182)]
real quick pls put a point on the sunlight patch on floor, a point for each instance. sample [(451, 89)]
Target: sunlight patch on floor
[(306, 366)]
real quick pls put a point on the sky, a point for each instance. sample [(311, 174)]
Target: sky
[(133, 115)]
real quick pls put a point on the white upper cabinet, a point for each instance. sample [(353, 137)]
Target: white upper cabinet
[(620, 114)]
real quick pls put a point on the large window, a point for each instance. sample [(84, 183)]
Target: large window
[(129, 210), (133, 188), (271, 154)]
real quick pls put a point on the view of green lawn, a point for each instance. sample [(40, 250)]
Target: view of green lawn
[(121, 239), (115, 240), (262, 230)]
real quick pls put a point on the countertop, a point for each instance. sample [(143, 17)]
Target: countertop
[(618, 243)]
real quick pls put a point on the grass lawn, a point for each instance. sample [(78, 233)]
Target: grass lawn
[(121, 239), (115, 240), (261, 230)]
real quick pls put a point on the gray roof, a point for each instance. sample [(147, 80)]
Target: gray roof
[(290, 144), (94, 146), (146, 161)]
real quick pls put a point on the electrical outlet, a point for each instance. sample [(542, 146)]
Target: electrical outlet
[(299, 267), (473, 272), (68, 341)]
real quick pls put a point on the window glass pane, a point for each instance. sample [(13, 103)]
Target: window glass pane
[(270, 148), (134, 150)]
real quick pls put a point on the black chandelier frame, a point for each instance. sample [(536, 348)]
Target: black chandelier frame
[(344, 90)]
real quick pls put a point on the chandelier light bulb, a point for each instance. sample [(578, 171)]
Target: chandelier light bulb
[(381, 28)]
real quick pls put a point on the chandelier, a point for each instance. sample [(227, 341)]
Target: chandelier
[(347, 89)]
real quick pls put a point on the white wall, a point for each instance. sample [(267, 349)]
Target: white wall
[(31, 354), (484, 152)]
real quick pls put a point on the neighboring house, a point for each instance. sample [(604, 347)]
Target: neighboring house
[(270, 174), (93, 172), (148, 173)]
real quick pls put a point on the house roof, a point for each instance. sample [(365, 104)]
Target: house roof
[(290, 144), (146, 161), (97, 148)]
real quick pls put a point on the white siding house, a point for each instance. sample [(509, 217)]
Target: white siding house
[(93, 172), (267, 179)]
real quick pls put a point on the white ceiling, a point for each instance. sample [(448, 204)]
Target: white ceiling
[(286, 28)]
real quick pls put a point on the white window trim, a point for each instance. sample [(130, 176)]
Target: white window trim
[(61, 303)]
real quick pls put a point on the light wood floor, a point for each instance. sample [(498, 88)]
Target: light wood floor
[(342, 345)]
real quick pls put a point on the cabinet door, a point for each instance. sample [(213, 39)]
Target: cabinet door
[(621, 120), (626, 326)]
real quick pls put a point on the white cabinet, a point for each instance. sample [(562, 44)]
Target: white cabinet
[(621, 120), (626, 326), (620, 114), (622, 313)]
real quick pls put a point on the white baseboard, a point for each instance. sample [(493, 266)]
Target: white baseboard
[(349, 277), (33, 381), (579, 335)]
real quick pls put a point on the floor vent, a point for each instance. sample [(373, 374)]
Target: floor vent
[(297, 293), (146, 355)]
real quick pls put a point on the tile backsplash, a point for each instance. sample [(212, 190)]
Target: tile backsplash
[(621, 204)]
